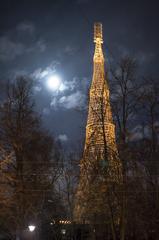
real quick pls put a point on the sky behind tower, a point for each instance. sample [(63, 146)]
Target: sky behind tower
[(43, 38)]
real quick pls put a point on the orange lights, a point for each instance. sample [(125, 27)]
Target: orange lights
[(100, 142), (65, 222)]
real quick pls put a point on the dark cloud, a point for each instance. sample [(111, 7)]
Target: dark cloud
[(62, 137), (26, 27), (39, 38), (83, 1), (9, 49), (20, 41), (74, 100)]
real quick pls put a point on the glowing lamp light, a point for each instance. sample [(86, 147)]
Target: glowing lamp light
[(54, 82), (63, 231), (31, 228)]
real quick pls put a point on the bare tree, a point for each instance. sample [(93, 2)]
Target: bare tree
[(148, 153), (32, 169), (149, 105), (124, 97), (67, 182)]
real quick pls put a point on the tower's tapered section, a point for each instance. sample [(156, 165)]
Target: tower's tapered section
[(100, 166)]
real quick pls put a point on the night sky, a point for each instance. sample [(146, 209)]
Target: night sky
[(42, 38)]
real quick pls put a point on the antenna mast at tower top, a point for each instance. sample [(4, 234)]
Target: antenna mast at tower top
[(98, 40), (98, 35)]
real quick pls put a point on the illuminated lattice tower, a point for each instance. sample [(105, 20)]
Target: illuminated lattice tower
[(100, 164)]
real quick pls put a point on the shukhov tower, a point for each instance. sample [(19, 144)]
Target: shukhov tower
[(100, 167)]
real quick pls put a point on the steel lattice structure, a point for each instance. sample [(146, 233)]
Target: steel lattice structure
[(100, 164)]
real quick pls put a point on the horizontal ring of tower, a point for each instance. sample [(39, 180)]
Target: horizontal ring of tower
[(106, 125)]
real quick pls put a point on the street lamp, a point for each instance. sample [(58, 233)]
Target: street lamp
[(31, 228)]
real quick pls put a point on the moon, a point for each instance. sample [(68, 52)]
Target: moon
[(54, 82)]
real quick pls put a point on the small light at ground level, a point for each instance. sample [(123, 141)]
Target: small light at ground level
[(31, 228), (63, 231), (65, 222)]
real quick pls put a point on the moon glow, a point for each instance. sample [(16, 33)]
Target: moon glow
[(54, 82)]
